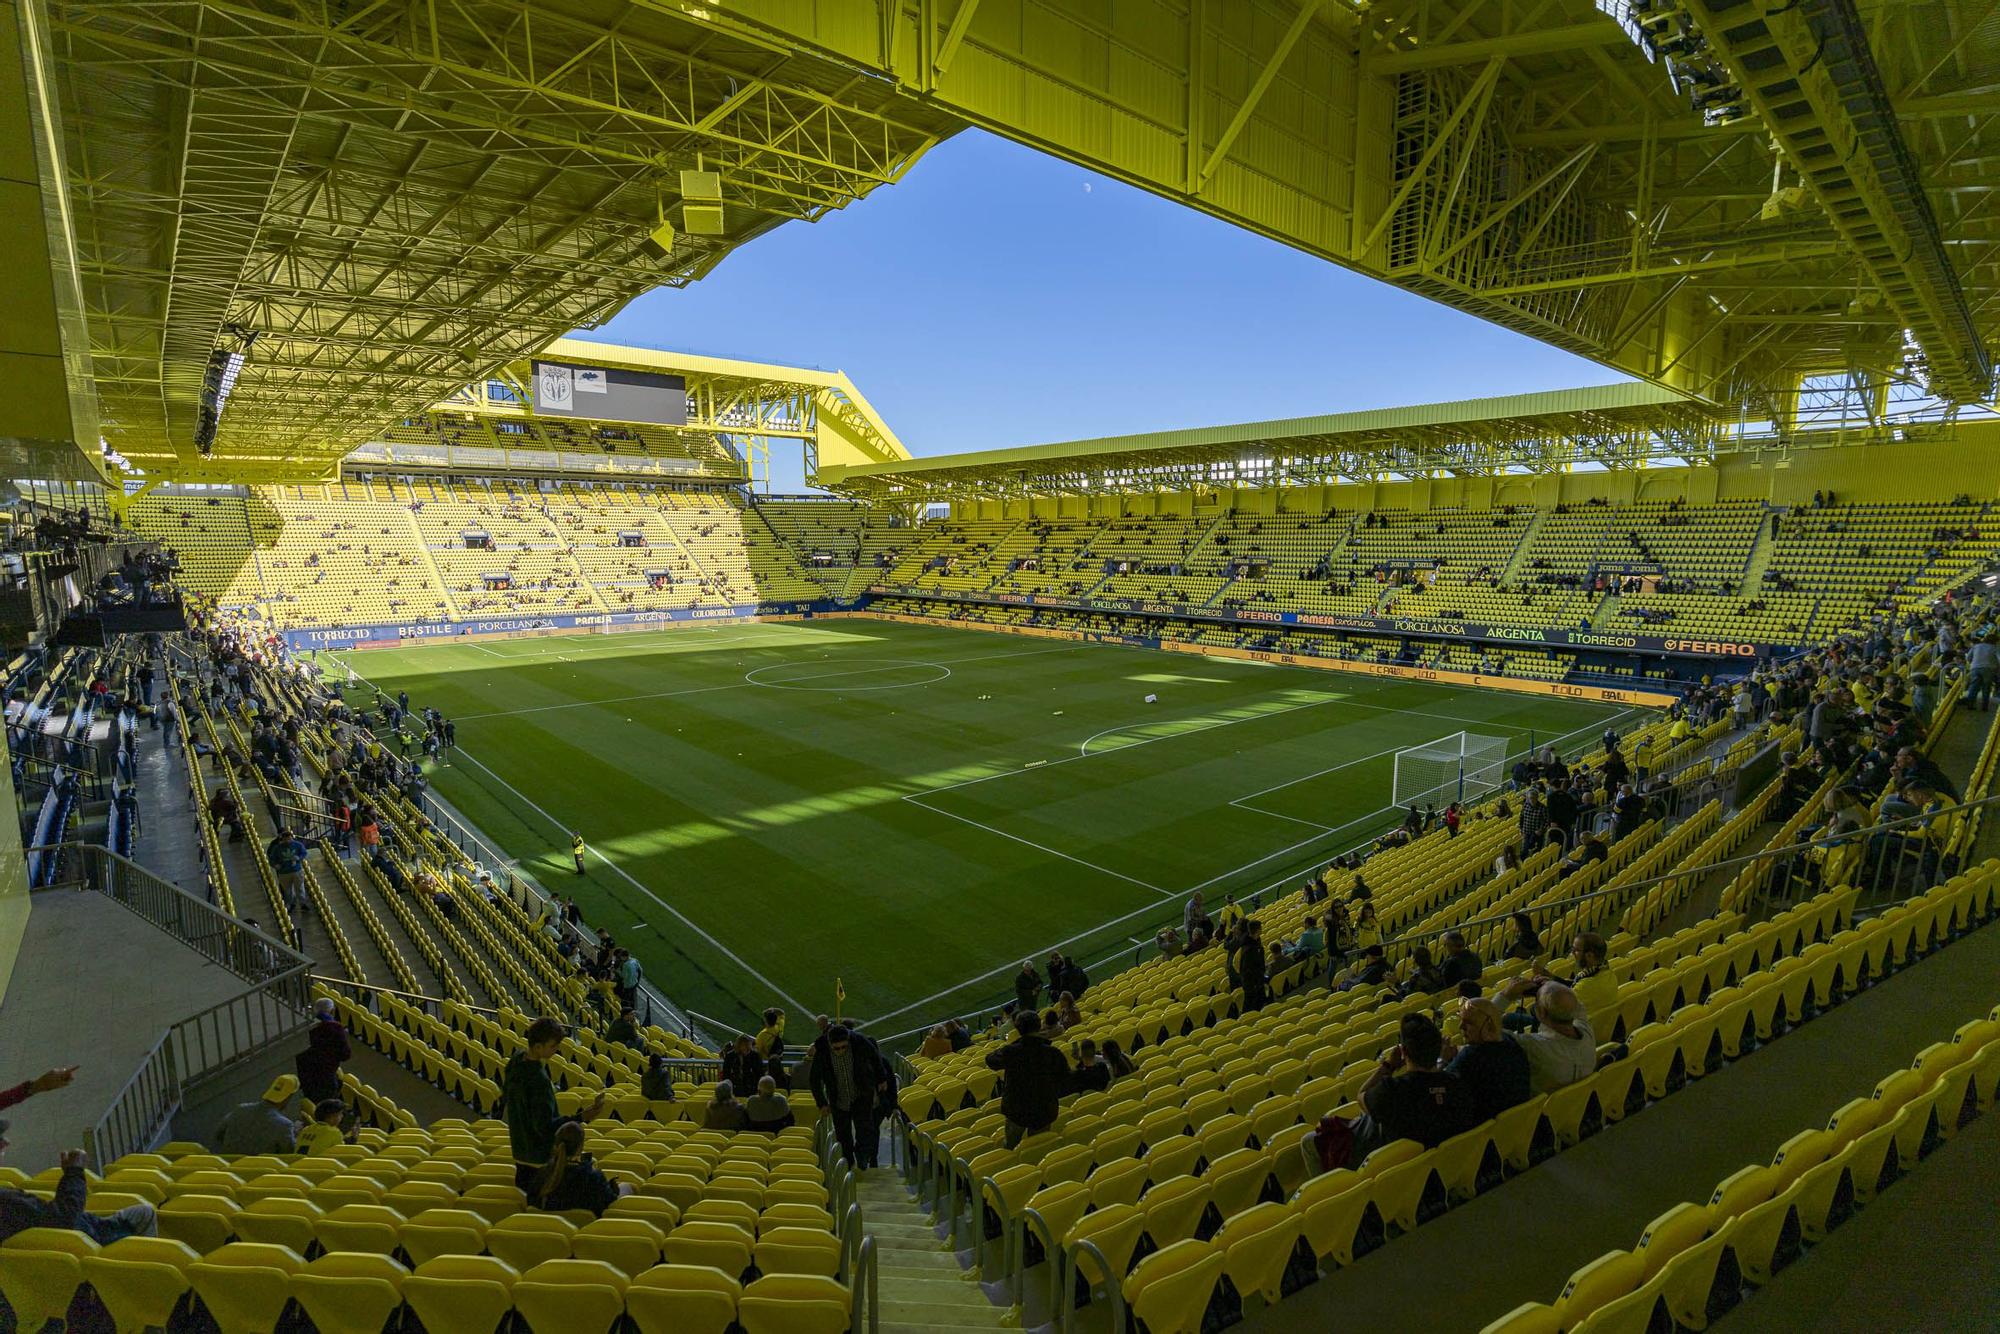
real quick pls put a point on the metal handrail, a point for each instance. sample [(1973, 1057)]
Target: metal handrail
[(866, 1287), (1113, 1287), (246, 950), (203, 1044)]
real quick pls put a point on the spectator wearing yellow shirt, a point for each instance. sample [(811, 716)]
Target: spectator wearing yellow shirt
[(325, 1132), (771, 1041)]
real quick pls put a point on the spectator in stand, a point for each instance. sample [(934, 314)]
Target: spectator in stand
[(528, 1101), (1374, 970), (625, 976), (1065, 974), (625, 1028), (767, 1109), (261, 1126), (771, 1042), (1091, 1074), (20, 1210), (1562, 1048), (1459, 964), (327, 1049), (1033, 1077), (327, 1130), (740, 1064), (1408, 1097), (1252, 967), (960, 1036), (1488, 1060), (1534, 822), (1116, 1060), (1526, 944), (656, 1084), (223, 810), (848, 1079), (1311, 941), (1196, 916), (1425, 977), (1066, 1012), (1027, 988), (1595, 985), (287, 856), (572, 1179), (724, 1113), (1169, 943), (936, 1043)]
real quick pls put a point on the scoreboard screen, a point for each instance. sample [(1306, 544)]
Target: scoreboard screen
[(569, 389)]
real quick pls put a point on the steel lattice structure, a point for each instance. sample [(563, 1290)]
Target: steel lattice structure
[(1731, 199)]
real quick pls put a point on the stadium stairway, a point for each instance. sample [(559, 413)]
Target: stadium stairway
[(922, 1284), (1521, 1242)]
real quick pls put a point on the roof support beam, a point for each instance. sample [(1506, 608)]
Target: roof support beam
[(1535, 42), (1265, 77)]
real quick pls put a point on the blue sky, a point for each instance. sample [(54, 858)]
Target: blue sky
[(999, 296)]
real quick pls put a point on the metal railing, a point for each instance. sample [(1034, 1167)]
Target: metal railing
[(202, 1045), (273, 1010), (234, 944)]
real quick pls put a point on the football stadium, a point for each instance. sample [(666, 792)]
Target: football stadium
[(522, 832)]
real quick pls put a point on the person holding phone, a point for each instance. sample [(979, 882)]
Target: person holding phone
[(1408, 1097)]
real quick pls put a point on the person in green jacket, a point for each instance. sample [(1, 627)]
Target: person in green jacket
[(528, 1101)]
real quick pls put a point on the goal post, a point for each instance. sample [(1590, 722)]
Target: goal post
[(1460, 767)]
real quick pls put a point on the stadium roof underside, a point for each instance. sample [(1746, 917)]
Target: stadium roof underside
[(1615, 426), (396, 199)]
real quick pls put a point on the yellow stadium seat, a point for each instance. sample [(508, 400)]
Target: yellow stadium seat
[(1169, 1290), (140, 1280), (281, 1220), (1694, 1285), (1336, 1213), (683, 1299), (1603, 1280), (205, 1222), (40, 1270), (570, 1296), (525, 1240), (798, 1250), (629, 1245), (1527, 1318), (660, 1213), (722, 1245), (244, 1285), (350, 1292), (370, 1228), (461, 1294), (1236, 1180), (436, 1232), (726, 1211), (1257, 1247)]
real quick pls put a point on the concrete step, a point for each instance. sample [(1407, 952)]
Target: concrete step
[(916, 1235), (940, 1315)]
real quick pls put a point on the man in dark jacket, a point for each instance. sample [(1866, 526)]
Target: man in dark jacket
[(848, 1079), (528, 1101), (20, 1210), (327, 1049), (1033, 1075), (1066, 974)]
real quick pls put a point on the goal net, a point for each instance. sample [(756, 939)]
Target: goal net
[(1460, 767)]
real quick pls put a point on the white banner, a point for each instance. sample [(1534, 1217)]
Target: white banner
[(590, 380)]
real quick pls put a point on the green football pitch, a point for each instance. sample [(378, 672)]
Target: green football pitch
[(914, 809)]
